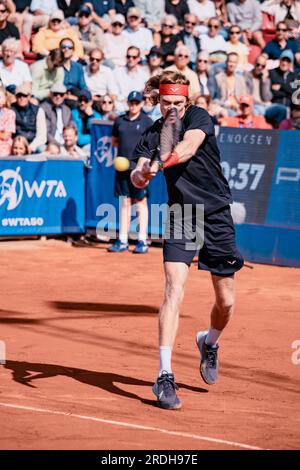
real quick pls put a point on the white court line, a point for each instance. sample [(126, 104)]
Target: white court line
[(134, 426)]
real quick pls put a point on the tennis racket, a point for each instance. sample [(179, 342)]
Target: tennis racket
[(170, 132)]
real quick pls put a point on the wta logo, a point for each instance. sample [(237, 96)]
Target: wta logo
[(105, 151), (13, 188)]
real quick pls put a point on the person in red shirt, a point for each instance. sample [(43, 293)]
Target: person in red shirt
[(246, 119)]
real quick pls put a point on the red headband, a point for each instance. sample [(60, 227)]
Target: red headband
[(174, 89)]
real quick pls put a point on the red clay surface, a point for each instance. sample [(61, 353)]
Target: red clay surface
[(80, 327)]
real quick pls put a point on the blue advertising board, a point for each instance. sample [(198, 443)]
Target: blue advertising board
[(41, 197)]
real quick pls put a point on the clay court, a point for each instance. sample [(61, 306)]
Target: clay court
[(80, 328)]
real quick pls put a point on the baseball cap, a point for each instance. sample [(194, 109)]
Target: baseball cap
[(85, 9), (58, 88), (246, 99), (24, 89), (57, 15), (133, 11), (118, 19), (135, 96), (85, 94), (287, 55), (155, 50)]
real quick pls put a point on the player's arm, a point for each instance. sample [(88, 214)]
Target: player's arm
[(185, 149)]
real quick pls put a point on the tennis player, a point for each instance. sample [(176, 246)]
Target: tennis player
[(194, 177)]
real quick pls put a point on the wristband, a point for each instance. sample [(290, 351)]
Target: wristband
[(173, 159)]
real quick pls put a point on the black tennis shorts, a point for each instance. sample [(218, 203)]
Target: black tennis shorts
[(124, 187), (218, 253)]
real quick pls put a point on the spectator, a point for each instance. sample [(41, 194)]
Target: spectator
[(281, 79), (122, 6), (155, 60), (17, 11), (126, 132), (20, 146), (30, 120), (150, 109), (259, 85), (281, 43), (90, 34), (116, 43), (221, 14), (166, 40), (235, 45), (104, 10), (204, 101), (178, 8), (58, 115), (229, 86), (287, 11), (70, 8), (107, 108), (45, 73), (247, 15), (49, 38), (203, 9), (189, 37), (293, 123), (99, 78), (213, 42), (82, 118), (7, 29), (202, 70), (52, 149), (138, 35), (73, 71), (152, 12), (129, 78), (13, 71), (41, 11), (246, 118), (182, 58), (7, 125), (70, 149)]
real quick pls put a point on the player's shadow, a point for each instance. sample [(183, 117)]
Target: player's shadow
[(25, 373), (103, 307)]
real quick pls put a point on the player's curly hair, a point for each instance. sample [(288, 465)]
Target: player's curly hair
[(167, 77)]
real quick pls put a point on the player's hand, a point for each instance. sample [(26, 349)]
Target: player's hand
[(138, 180), (149, 170)]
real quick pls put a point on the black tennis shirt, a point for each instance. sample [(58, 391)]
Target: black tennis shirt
[(199, 180)]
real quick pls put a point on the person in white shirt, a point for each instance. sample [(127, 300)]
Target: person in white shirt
[(13, 71), (116, 43), (99, 78), (213, 42), (130, 78), (182, 59), (152, 12), (39, 16), (203, 9), (138, 35)]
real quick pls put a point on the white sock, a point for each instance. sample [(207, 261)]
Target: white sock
[(123, 239), (165, 353), (212, 337)]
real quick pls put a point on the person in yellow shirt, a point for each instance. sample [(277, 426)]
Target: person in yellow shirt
[(49, 38)]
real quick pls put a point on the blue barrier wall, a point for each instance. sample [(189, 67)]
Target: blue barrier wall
[(39, 198), (263, 171)]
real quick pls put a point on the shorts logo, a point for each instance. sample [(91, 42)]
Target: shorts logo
[(231, 262)]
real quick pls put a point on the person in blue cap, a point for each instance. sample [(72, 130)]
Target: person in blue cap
[(127, 131)]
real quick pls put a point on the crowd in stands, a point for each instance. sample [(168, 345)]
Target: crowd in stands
[(66, 62)]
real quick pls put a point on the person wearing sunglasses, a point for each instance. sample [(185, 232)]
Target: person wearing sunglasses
[(190, 38), (213, 42), (73, 70), (247, 15), (155, 61), (178, 8), (49, 38), (89, 33), (167, 39), (116, 42), (138, 35), (202, 70), (281, 43), (285, 10), (182, 59), (83, 116), (259, 85), (246, 118), (234, 44), (99, 78), (132, 77), (106, 107), (45, 73), (204, 10), (57, 113)]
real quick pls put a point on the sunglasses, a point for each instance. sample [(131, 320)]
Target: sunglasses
[(234, 32), (84, 15), (164, 25), (215, 26), (21, 95), (203, 60), (284, 30), (190, 22), (55, 20), (261, 65), (95, 59), (153, 54), (56, 93), (132, 56), (83, 100), (107, 102), (117, 24), (3, 10), (183, 55), (133, 17), (66, 46)]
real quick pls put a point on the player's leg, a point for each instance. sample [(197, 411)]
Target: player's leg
[(175, 279), (125, 217), (142, 210)]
